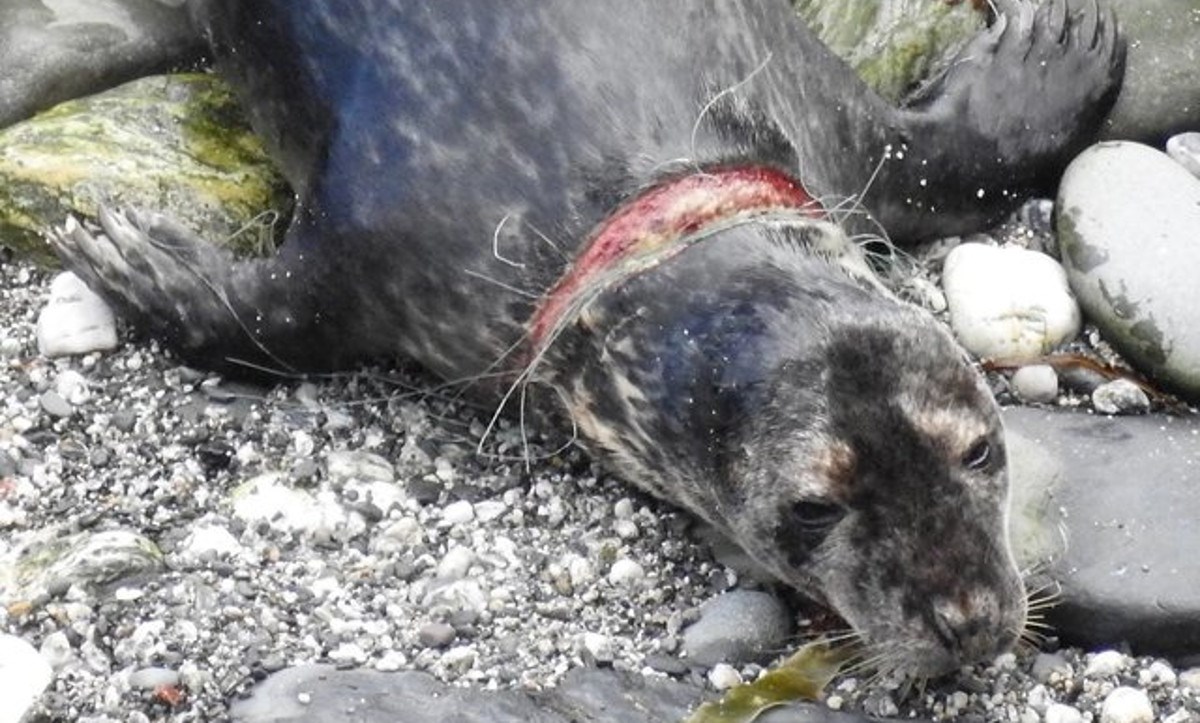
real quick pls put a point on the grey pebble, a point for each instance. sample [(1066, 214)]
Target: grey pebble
[(737, 627), (1120, 396), (151, 678), (53, 404), (436, 635), (124, 419)]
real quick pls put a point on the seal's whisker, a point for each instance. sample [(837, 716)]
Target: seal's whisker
[(502, 285), (714, 100), (547, 240), (496, 244), (1032, 623), (1032, 636)]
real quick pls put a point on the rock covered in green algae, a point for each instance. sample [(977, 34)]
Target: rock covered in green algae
[(46, 562), (893, 44), (175, 143)]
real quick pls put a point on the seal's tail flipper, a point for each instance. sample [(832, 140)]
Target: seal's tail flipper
[(171, 284)]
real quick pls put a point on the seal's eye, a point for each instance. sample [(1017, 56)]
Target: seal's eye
[(979, 455), (815, 516)]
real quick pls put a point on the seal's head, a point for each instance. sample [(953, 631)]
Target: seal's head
[(891, 503)]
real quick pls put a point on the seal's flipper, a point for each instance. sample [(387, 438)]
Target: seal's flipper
[(1006, 116), (171, 284)]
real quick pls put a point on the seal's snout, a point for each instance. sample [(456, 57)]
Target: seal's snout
[(971, 626)]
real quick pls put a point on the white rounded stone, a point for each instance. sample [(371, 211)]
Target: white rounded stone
[(75, 320), (1036, 383), (1059, 713), (72, 386), (210, 540), (456, 563), (1127, 705), (458, 513), (625, 572), (25, 674), (1008, 302), (1104, 664), (724, 676), (600, 647)]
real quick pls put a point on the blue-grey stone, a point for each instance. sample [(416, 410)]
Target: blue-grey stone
[(1120, 497), (737, 627), (322, 693)]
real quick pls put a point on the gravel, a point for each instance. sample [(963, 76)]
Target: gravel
[(378, 539)]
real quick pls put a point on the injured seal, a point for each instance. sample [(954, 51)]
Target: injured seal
[(633, 204)]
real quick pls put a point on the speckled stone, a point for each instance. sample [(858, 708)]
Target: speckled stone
[(1127, 220)]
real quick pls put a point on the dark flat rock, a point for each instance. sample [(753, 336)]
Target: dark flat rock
[(53, 52), (322, 693), (1126, 493)]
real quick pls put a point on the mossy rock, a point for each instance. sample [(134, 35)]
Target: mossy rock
[(895, 45), (175, 143)]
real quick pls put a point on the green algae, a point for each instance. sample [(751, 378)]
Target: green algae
[(894, 45), (178, 144), (803, 676)]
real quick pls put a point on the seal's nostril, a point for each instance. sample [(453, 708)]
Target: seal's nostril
[(966, 626)]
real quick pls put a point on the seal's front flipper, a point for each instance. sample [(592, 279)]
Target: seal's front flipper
[(1018, 102), (192, 295)]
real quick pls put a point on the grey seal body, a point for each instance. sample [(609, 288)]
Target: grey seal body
[(617, 200)]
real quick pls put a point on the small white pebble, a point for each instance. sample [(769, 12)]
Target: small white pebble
[(1059, 713), (625, 572), (724, 676), (1158, 672), (1127, 705), (1039, 698), (455, 564), (304, 698), (1190, 678), (625, 529), (600, 647), (489, 510), (1036, 383), (623, 509), (458, 513), (1104, 664)]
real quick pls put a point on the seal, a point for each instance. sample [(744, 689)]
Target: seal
[(630, 204)]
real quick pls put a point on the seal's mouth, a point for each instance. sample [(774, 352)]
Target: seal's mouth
[(661, 222)]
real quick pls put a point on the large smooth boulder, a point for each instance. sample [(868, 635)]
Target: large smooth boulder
[(54, 50), (1108, 506), (1129, 228), (1161, 92)]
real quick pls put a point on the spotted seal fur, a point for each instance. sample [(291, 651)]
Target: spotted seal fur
[(621, 201)]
